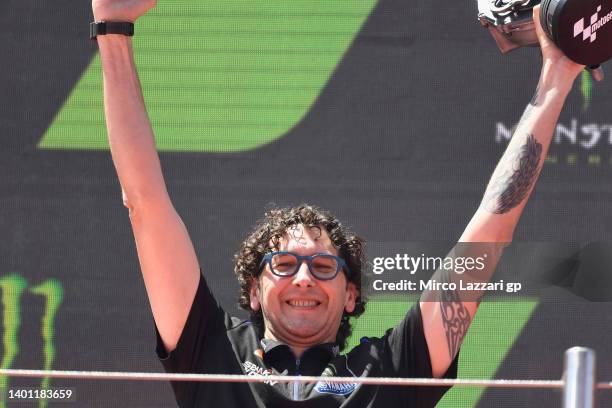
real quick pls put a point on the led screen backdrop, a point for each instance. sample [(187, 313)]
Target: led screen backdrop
[(390, 114)]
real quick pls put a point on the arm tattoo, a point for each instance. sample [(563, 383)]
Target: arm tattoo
[(514, 177), (456, 320)]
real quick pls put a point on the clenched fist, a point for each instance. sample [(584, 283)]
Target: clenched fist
[(551, 54), (120, 10)]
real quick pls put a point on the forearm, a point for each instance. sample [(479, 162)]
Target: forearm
[(516, 173), (130, 133), (447, 313)]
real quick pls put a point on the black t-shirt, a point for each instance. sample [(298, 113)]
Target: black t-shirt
[(213, 342)]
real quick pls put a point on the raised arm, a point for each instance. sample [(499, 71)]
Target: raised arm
[(447, 314), (167, 257)]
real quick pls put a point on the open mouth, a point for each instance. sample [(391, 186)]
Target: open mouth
[(303, 303)]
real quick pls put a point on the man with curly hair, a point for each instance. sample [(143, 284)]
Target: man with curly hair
[(300, 269), (300, 225)]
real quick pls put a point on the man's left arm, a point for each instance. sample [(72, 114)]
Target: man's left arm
[(447, 314)]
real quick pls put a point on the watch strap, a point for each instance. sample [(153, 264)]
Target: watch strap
[(110, 27)]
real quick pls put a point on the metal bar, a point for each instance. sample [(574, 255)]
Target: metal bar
[(134, 376), (579, 378)]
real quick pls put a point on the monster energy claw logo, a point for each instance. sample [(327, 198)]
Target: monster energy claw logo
[(13, 286), (586, 88)]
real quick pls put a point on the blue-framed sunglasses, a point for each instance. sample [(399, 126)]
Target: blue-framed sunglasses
[(321, 266)]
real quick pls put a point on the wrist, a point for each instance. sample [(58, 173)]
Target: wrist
[(103, 28), (113, 40), (559, 75)]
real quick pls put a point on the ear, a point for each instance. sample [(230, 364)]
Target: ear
[(254, 295), (351, 297)]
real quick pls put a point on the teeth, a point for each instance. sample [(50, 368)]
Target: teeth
[(303, 303)]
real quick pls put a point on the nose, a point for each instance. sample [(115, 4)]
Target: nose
[(303, 277)]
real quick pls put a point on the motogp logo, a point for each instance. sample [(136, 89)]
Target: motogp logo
[(590, 32)]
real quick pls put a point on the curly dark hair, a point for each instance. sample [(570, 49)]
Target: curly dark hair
[(266, 236)]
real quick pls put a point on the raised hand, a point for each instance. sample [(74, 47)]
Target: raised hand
[(554, 58), (120, 10)]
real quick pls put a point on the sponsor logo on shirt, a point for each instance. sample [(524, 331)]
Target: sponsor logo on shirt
[(254, 369), (326, 387)]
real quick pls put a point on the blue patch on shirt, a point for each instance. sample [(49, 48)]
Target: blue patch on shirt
[(325, 387)]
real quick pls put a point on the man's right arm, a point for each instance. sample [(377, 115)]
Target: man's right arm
[(166, 254)]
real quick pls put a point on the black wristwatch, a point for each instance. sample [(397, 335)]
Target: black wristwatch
[(110, 27)]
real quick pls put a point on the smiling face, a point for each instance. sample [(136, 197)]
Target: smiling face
[(301, 310)]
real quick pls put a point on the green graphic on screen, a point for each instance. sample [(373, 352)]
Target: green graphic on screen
[(220, 76), (586, 89)]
